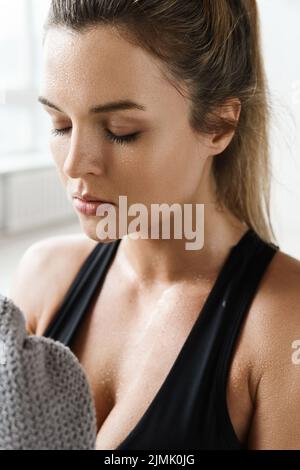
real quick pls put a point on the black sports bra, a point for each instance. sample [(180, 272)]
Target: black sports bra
[(189, 411)]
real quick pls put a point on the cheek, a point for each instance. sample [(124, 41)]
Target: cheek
[(171, 174), (58, 153)]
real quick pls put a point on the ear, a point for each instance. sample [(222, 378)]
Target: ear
[(230, 111)]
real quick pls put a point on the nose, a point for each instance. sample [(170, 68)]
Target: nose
[(84, 157)]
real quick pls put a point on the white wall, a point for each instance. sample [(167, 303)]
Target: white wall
[(280, 21)]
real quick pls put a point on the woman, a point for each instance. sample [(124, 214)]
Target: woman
[(165, 102)]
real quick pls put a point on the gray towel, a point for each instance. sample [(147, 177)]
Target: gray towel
[(45, 399)]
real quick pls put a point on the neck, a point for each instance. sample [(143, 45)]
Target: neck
[(150, 261)]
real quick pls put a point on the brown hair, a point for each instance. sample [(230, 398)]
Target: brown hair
[(213, 47)]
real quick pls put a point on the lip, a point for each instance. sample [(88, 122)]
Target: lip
[(88, 205), (89, 198)]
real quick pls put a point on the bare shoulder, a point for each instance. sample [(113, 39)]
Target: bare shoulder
[(273, 333), (44, 273), (276, 309)]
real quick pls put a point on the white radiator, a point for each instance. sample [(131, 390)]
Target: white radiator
[(31, 199)]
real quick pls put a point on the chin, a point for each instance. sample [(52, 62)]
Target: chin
[(89, 227)]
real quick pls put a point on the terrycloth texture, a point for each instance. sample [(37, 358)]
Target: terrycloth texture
[(45, 399)]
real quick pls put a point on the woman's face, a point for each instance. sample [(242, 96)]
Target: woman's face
[(164, 163)]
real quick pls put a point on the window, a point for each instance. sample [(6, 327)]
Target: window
[(23, 125)]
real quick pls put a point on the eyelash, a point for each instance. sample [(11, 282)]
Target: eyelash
[(121, 140)]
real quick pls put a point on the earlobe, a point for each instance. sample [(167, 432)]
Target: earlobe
[(221, 141)]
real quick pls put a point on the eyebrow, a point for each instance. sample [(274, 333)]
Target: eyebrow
[(104, 108)]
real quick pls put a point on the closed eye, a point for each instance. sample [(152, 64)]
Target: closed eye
[(118, 139), (57, 132), (122, 139)]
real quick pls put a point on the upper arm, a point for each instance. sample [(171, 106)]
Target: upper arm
[(26, 283), (276, 421)]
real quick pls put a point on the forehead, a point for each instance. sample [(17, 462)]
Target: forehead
[(97, 62)]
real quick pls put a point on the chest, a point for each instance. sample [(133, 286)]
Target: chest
[(128, 343)]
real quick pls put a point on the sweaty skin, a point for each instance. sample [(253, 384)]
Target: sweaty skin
[(168, 163)]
